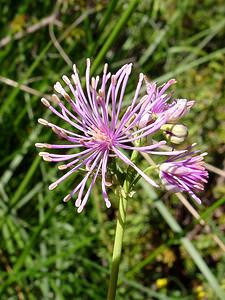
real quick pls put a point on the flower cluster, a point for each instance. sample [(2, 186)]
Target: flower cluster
[(185, 172), (100, 128)]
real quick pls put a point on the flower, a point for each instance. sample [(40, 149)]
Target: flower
[(161, 283), (98, 127), (159, 104), (185, 173)]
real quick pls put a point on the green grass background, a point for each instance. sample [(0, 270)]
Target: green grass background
[(47, 250)]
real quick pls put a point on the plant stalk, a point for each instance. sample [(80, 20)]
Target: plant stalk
[(117, 249), (120, 227)]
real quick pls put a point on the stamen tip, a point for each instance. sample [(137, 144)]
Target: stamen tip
[(39, 145), (67, 198), (66, 80), (105, 68), (88, 62), (80, 208), (77, 202), (113, 79), (52, 186), (62, 167), (47, 158), (43, 153), (45, 102), (204, 154), (93, 82), (74, 79), (75, 68), (128, 70), (172, 81), (67, 97), (58, 87), (55, 99), (43, 122), (108, 204), (141, 76)]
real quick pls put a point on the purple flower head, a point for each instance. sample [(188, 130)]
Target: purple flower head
[(185, 173), (162, 104), (98, 128)]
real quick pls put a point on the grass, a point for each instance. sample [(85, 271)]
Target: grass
[(47, 250)]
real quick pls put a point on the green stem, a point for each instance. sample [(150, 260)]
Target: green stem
[(117, 249), (120, 227)]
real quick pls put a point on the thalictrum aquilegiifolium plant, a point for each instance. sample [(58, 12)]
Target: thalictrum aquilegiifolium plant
[(99, 132)]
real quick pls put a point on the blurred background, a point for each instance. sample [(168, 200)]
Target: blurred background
[(171, 250)]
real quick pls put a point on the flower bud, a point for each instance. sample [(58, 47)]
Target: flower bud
[(144, 120), (179, 109), (175, 133)]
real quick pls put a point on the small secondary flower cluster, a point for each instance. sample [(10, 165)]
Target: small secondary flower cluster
[(101, 129)]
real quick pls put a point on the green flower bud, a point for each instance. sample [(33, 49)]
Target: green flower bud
[(175, 133)]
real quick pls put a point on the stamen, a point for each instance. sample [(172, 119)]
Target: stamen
[(40, 145), (67, 198), (88, 62), (52, 186), (108, 204), (47, 158), (62, 167), (93, 82), (55, 99), (105, 68), (45, 102), (74, 79), (66, 80), (43, 122), (204, 154), (113, 80), (43, 153), (58, 87)]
